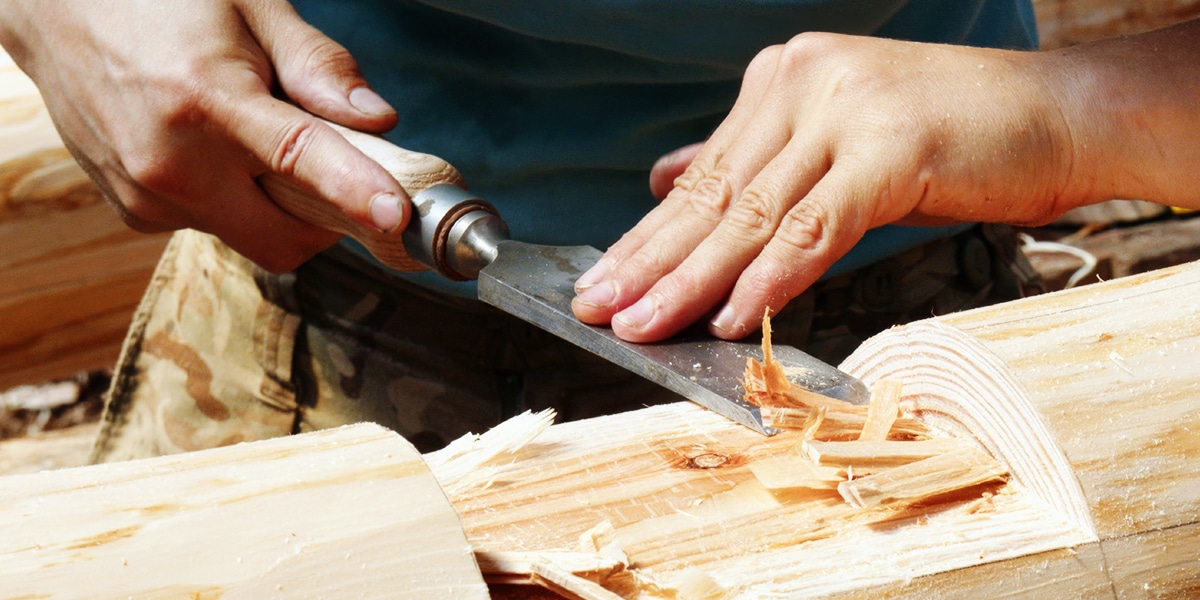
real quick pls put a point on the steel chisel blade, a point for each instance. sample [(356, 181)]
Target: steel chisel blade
[(536, 283)]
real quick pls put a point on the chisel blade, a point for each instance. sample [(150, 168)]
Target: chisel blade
[(536, 283)]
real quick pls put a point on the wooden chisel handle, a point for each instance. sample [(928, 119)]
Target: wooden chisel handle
[(423, 244)]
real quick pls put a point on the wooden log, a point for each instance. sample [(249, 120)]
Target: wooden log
[(344, 513), (71, 273), (1069, 22), (1087, 397), (1107, 374), (677, 484)]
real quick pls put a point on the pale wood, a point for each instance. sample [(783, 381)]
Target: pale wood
[(840, 425), (1087, 398), (876, 454), (883, 410), (48, 450), (1101, 380), (548, 574), (928, 478), (1069, 22), (343, 513), (791, 472), (1101, 383), (518, 567), (645, 472), (71, 273)]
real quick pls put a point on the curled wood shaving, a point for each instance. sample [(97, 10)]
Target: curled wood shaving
[(766, 382), (875, 455)]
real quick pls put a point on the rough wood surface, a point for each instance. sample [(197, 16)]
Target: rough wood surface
[(1101, 382), (677, 485), (1108, 373), (344, 513), (71, 273), (1087, 397)]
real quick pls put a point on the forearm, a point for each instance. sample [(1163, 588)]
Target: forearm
[(1132, 107)]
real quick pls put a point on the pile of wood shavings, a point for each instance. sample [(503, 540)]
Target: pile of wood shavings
[(873, 455)]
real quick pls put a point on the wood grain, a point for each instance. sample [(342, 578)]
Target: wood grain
[(71, 273), (342, 513), (1086, 396)]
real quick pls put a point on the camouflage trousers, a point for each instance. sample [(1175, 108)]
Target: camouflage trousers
[(222, 352)]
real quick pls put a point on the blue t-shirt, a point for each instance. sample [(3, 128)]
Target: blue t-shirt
[(554, 110)]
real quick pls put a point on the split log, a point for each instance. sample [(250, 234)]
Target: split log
[(344, 513), (71, 273), (1087, 397)]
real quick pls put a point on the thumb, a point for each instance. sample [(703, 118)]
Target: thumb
[(314, 71)]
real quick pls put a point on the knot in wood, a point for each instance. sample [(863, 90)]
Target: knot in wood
[(708, 460)]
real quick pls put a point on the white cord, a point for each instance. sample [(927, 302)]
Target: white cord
[(1028, 244)]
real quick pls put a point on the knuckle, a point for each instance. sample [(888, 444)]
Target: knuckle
[(803, 52), (823, 62), (806, 48), (709, 194), (153, 170), (323, 55), (291, 143), (753, 212), (763, 64), (803, 228)]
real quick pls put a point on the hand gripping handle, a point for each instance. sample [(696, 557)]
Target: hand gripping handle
[(450, 231)]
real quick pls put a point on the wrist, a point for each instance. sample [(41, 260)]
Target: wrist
[(1128, 105)]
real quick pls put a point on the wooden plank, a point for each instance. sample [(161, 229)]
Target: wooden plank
[(348, 512), (71, 274)]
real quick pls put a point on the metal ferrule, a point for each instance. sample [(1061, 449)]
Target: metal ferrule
[(454, 233)]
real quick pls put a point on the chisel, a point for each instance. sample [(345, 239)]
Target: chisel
[(463, 237)]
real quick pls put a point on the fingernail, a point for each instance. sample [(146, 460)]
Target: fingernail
[(592, 276), (725, 319), (386, 212), (638, 315), (601, 294), (369, 103)]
